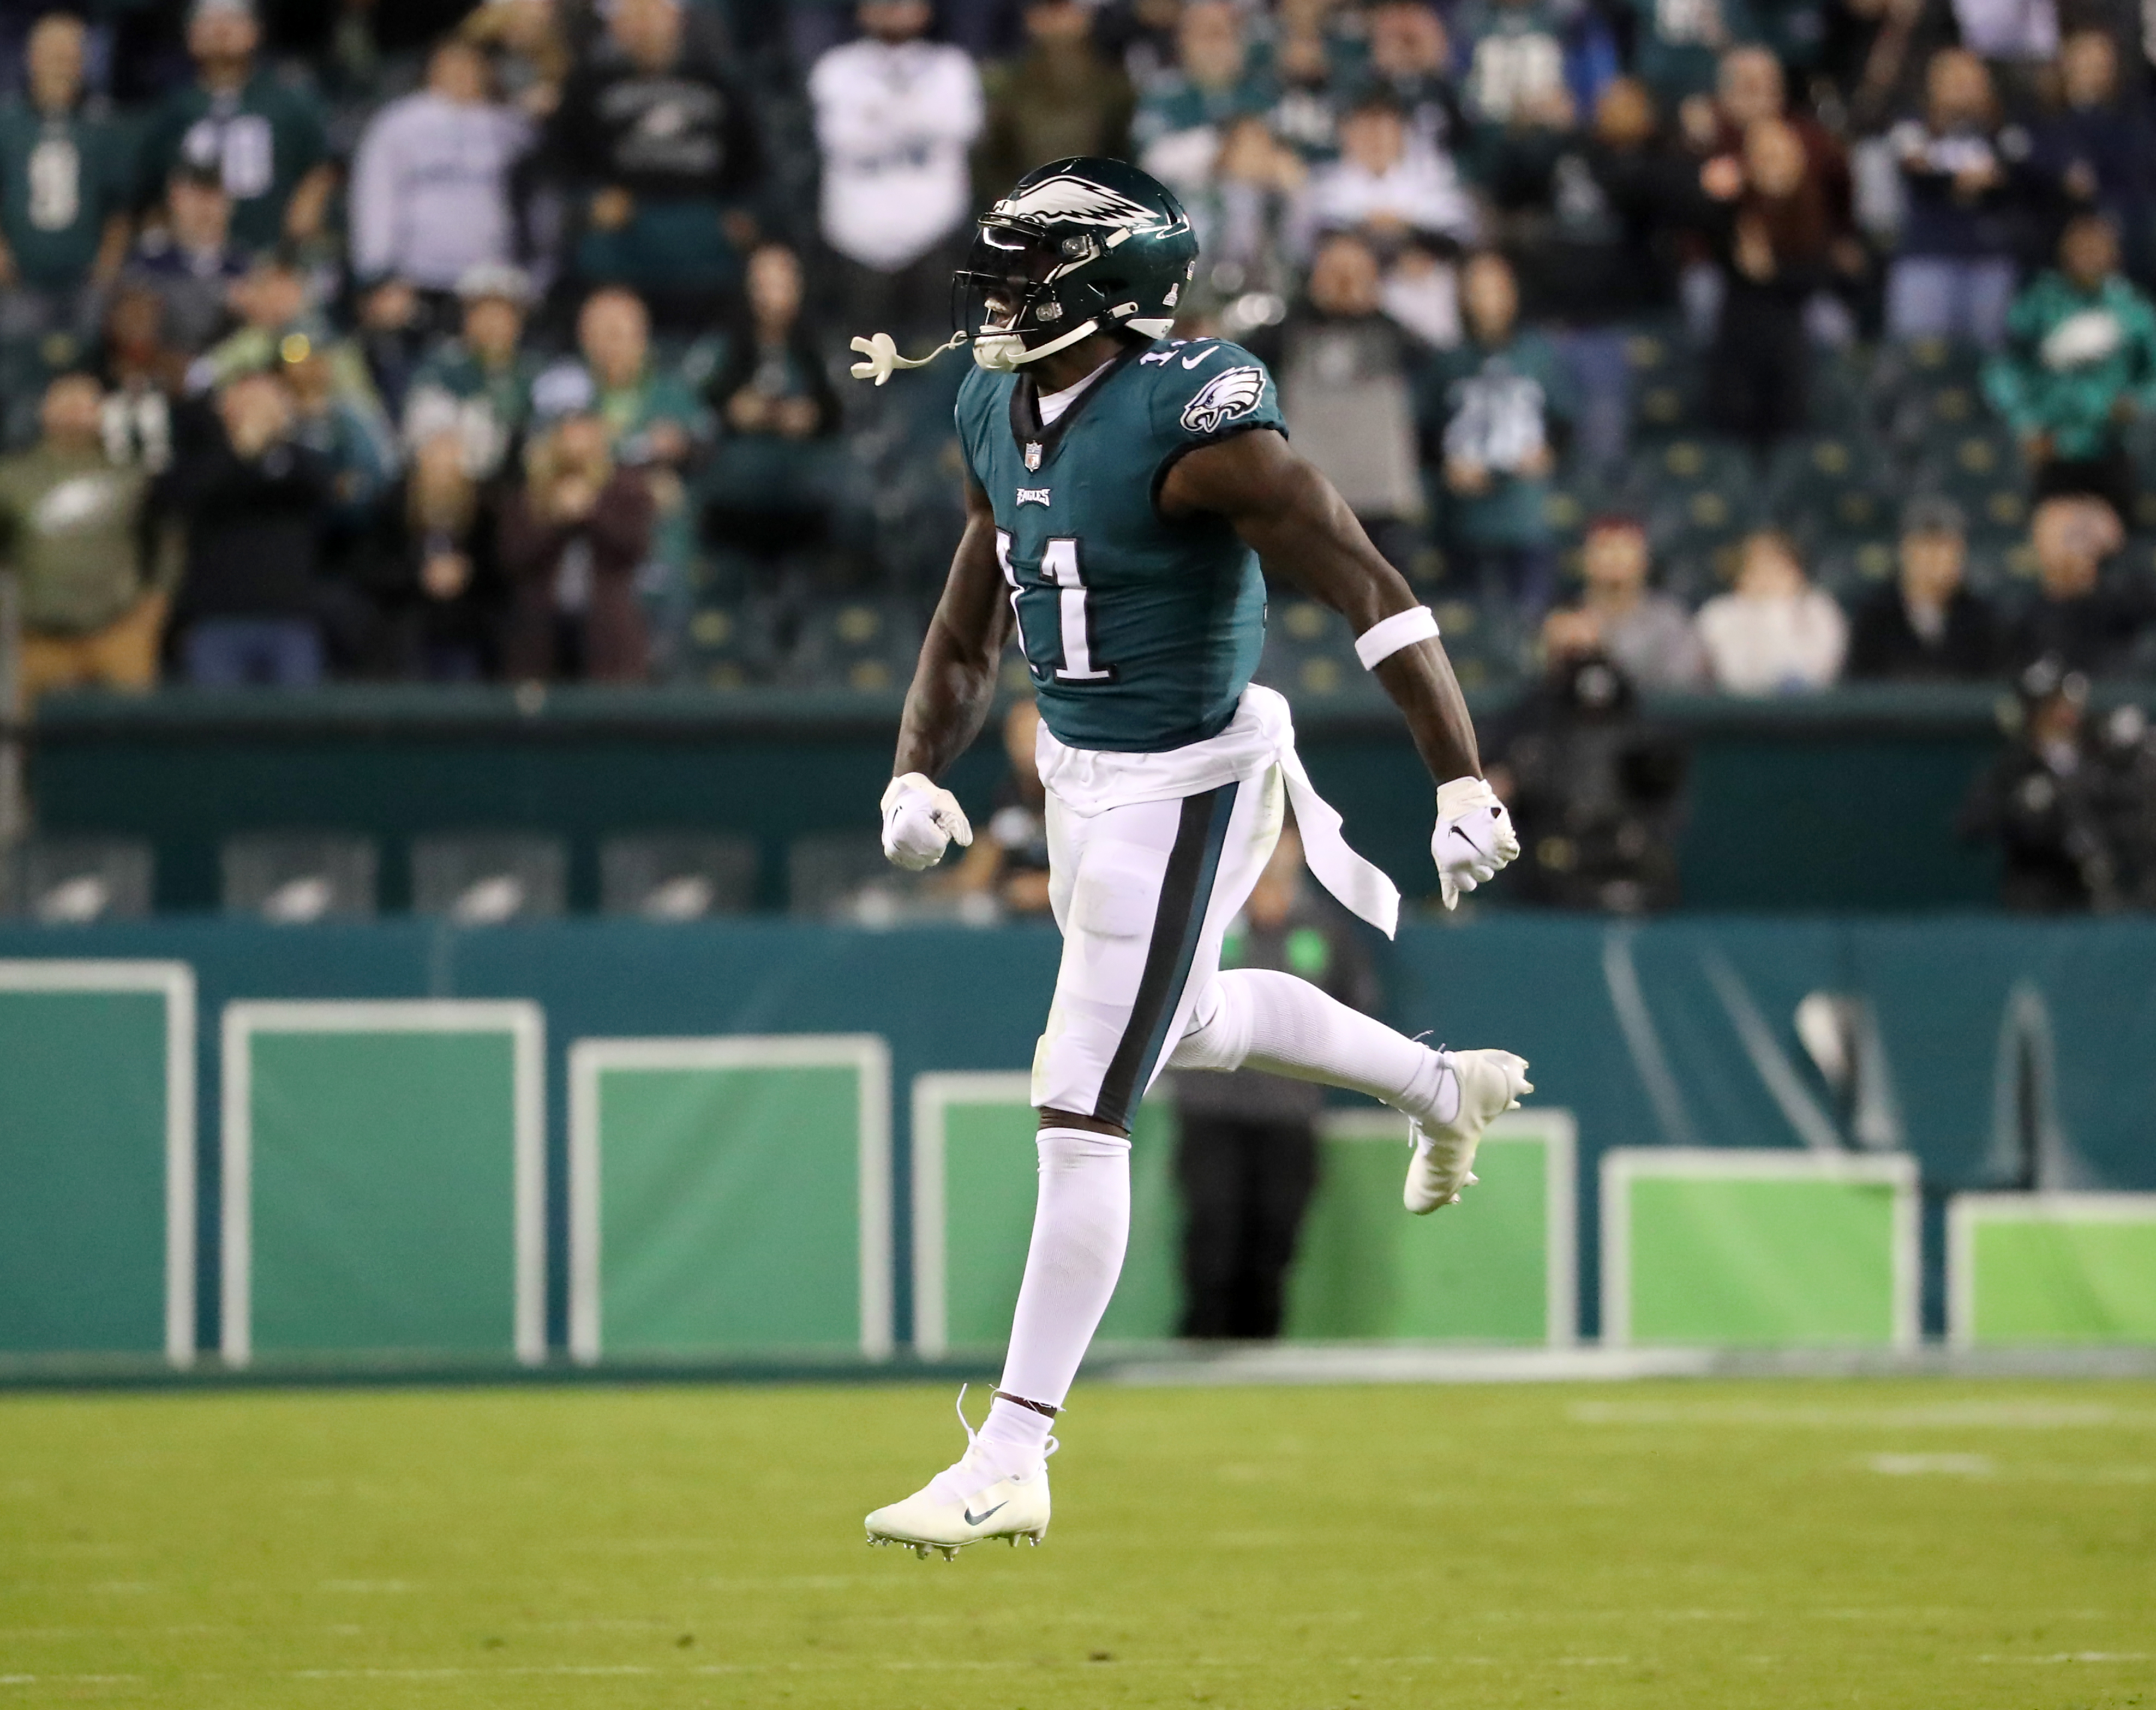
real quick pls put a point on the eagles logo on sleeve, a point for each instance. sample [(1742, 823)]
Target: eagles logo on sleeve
[(1235, 391)]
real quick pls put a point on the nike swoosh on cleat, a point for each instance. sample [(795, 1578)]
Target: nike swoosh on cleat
[(973, 1519)]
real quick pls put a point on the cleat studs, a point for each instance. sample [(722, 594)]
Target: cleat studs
[(921, 1551), (949, 1553)]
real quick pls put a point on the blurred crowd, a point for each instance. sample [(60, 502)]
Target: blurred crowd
[(1747, 345)]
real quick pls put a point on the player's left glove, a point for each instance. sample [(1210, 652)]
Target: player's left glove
[(919, 822), (1473, 837)]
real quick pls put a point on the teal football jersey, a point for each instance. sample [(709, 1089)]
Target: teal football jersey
[(1141, 630)]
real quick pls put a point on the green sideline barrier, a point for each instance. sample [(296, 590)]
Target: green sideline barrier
[(1501, 1267), (2051, 1268), (384, 1179), (1761, 1249), (729, 1196), (97, 1159), (974, 1170)]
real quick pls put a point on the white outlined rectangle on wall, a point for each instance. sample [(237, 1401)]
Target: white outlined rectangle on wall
[(1622, 1166), (174, 982), (524, 1023), (1966, 1211), (867, 1053)]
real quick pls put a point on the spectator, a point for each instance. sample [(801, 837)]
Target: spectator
[(1677, 44), (1952, 276), (394, 327), (659, 145), (528, 59), (1515, 56), (652, 416), (1776, 634), (1183, 115), (1503, 394), (1410, 65), (2079, 366), (1247, 1155), (2043, 803), (189, 260), (1008, 860), (1594, 264), (64, 190), (1387, 185), (2076, 618), (280, 324), (772, 486), (437, 581), (263, 137), (1305, 112), (253, 501), (1063, 97), (1873, 54), (1596, 792), (894, 118), (2097, 152), (1242, 212), (95, 592), (571, 541), (141, 374), (1644, 634), (1349, 378), (1927, 626), (1774, 238), (429, 197), (477, 386)]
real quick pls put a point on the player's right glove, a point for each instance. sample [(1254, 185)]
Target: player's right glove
[(1473, 837), (919, 822)]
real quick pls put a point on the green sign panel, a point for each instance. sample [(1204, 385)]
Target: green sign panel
[(2051, 1268), (384, 1180), (729, 1196), (1758, 1249), (97, 1159)]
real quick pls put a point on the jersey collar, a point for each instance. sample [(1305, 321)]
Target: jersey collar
[(1025, 408)]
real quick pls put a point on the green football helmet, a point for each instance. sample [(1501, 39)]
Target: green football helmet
[(1078, 246)]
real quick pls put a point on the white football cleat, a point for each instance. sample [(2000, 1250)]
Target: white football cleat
[(967, 1503), (1491, 1083)]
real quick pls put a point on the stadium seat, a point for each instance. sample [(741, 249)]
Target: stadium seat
[(66, 881), (290, 878), (868, 645), (1697, 497), (1310, 656), (843, 876), (485, 879), (1489, 646), (1830, 489), (1665, 386), (1928, 387), (677, 876), (1980, 468), (732, 645)]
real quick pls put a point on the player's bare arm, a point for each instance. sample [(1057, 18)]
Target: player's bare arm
[(1302, 530)]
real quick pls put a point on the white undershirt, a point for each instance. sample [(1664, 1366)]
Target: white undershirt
[(1052, 405)]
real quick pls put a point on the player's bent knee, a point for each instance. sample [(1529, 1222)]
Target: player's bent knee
[(1219, 1037)]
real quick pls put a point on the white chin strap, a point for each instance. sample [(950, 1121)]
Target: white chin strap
[(999, 353)]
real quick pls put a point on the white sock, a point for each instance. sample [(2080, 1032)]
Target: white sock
[(1255, 1018), (1080, 1224)]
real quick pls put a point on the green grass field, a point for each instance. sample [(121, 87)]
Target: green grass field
[(1918, 1543)]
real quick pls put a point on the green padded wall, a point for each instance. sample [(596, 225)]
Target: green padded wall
[(2051, 1268), (97, 1157), (384, 1180), (1498, 1267), (973, 1179), (730, 1195), (1759, 1249)]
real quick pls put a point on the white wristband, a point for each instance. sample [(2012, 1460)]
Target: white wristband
[(1388, 635)]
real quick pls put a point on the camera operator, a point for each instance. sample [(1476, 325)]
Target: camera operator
[(2045, 803), (1597, 794)]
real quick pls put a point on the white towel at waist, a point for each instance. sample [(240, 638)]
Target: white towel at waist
[(1260, 737)]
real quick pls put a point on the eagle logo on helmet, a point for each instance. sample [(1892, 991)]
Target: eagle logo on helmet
[(1224, 397), (1076, 201)]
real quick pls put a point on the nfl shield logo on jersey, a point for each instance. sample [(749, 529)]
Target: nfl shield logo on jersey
[(1033, 454)]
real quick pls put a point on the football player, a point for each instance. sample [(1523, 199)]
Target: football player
[(1122, 488)]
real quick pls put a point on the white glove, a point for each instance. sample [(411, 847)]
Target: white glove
[(1473, 837), (919, 822)]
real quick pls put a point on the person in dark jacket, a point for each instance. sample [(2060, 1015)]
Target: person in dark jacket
[(658, 146), (253, 499), (2043, 804), (1247, 1157), (571, 539), (2077, 617), (1926, 625), (437, 576)]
